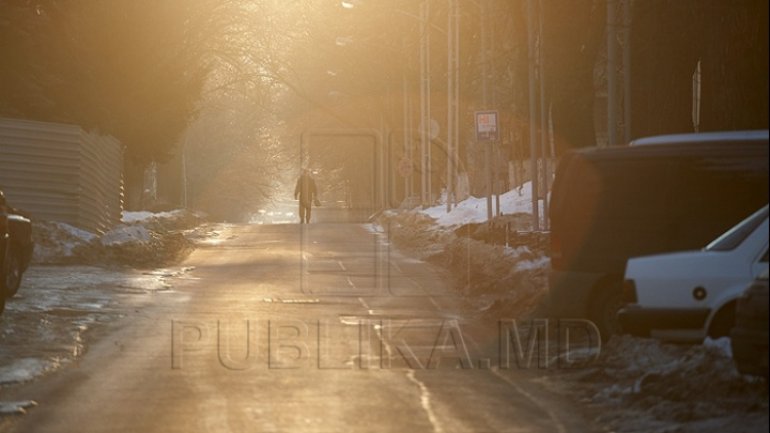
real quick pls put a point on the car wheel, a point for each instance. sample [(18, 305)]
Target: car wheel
[(12, 273), (604, 312), (723, 322)]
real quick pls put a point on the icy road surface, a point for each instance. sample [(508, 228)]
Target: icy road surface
[(278, 328), (46, 323)]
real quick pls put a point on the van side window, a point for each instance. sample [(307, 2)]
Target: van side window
[(713, 193), (578, 190), (634, 189), (764, 257)]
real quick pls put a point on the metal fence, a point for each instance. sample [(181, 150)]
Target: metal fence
[(59, 172)]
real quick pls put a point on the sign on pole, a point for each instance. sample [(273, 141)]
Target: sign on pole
[(487, 131), (487, 127)]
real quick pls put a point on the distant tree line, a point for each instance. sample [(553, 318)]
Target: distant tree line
[(129, 68), (133, 69), (668, 39), (140, 69), (136, 68), (350, 65)]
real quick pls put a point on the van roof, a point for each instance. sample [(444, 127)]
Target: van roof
[(704, 137), (711, 143)]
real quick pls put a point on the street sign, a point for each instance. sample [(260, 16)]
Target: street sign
[(487, 127)]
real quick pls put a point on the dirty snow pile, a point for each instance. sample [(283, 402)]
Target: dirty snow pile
[(501, 264), (646, 385), (142, 239), (57, 242)]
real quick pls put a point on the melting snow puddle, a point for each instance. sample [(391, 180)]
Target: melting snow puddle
[(211, 235), (292, 301), (374, 228), (300, 301), (168, 273), (61, 284), (381, 322), (26, 369), (45, 325), (16, 407)]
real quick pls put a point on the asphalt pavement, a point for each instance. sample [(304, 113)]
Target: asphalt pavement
[(292, 328)]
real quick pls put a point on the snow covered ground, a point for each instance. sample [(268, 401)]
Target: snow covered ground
[(474, 210), (644, 385)]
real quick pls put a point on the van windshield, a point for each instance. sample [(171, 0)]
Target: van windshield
[(733, 237)]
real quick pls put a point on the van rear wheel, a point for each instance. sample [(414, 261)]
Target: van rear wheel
[(604, 312)]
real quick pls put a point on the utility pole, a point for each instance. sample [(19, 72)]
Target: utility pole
[(453, 69), (489, 61), (533, 115), (628, 6), (456, 93), (424, 104), (449, 111), (611, 73), (406, 131), (428, 117), (484, 101), (543, 112), (184, 168)]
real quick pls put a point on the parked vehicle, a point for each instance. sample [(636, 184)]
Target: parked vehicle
[(749, 336), (15, 249), (660, 194), (690, 295)]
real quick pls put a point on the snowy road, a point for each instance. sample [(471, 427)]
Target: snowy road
[(326, 329)]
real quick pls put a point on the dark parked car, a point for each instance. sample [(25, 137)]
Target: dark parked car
[(749, 337), (657, 195), (15, 249)]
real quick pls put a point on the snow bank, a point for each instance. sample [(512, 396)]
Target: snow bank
[(144, 239), (76, 233), (499, 279), (474, 210), (56, 241), (131, 217), (122, 235)]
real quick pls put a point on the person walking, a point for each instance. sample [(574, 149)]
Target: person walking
[(308, 195)]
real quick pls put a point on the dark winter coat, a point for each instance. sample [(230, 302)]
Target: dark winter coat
[(305, 190)]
